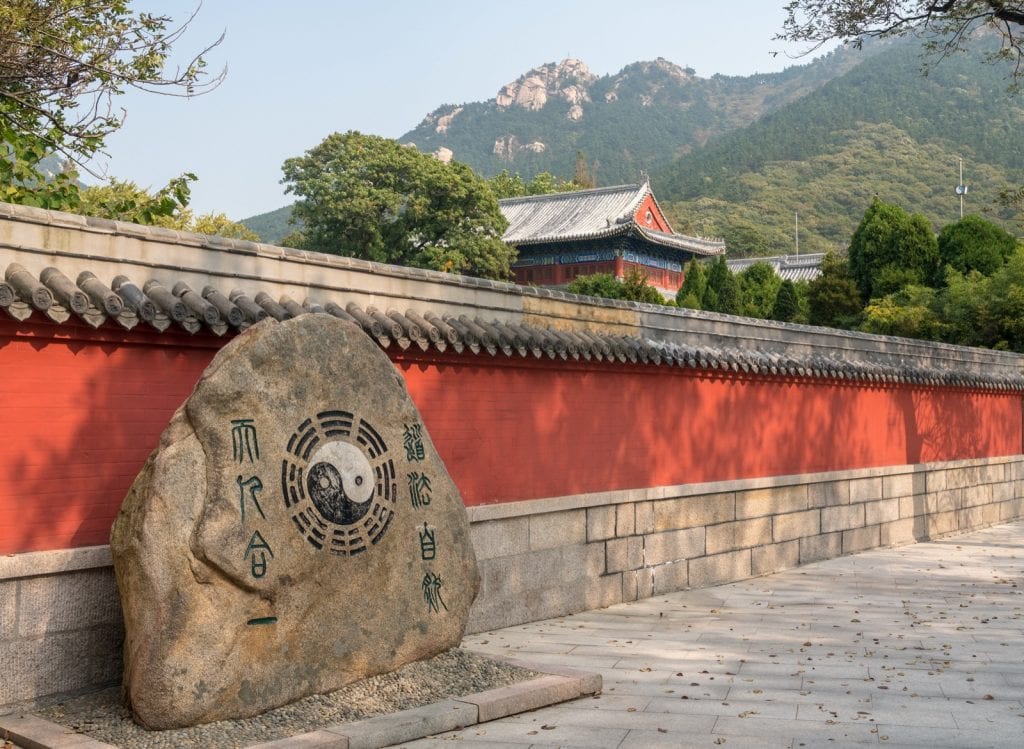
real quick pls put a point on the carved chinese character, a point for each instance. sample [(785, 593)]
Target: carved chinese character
[(259, 549), (428, 544), (244, 444), (249, 487), (432, 592), (419, 489), (412, 440)]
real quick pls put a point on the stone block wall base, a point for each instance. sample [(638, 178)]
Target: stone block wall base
[(559, 556), (60, 618)]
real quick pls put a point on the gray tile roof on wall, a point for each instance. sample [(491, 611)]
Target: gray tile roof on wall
[(590, 214), (788, 267), (146, 303)]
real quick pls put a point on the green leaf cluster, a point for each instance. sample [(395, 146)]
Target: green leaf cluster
[(370, 197), (891, 249), (63, 61), (633, 287)]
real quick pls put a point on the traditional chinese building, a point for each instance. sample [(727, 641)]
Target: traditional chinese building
[(607, 230)]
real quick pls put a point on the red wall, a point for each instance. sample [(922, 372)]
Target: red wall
[(597, 428), (81, 411)]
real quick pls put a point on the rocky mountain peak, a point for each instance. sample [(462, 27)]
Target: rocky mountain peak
[(568, 80)]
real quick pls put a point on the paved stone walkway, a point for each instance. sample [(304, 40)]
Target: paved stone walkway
[(917, 646)]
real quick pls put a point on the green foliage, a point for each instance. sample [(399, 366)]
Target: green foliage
[(126, 201), (63, 61), (908, 312), (695, 282), (891, 249), (633, 287), (218, 225), (759, 287), (168, 207), (722, 293), (949, 25), (505, 185), (24, 178), (973, 243), (879, 129), (786, 307), (603, 285), (832, 298), (369, 197), (969, 309)]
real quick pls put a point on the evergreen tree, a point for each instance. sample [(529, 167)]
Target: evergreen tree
[(832, 298), (759, 286), (723, 290), (787, 306), (695, 281)]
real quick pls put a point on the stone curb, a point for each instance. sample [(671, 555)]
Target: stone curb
[(554, 685)]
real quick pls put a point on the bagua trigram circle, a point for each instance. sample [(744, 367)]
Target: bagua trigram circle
[(339, 483)]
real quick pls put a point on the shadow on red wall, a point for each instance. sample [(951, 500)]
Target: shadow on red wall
[(83, 410), (82, 416)]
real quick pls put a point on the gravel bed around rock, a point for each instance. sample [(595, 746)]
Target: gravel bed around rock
[(456, 673)]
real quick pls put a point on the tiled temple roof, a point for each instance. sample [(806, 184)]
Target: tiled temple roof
[(219, 309), (789, 267), (591, 214)]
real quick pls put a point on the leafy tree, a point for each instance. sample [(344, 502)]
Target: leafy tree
[(695, 281), (603, 285), (633, 287), (168, 207), (722, 293), (973, 243), (890, 249), (786, 307), (25, 178), (505, 185), (636, 289), (370, 197), (759, 287), (583, 176), (832, 298), (63, 61), (948, 22), (908, 312), (126, 201), (218, 225)]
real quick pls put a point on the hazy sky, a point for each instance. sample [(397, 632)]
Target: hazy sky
[(300, 70)]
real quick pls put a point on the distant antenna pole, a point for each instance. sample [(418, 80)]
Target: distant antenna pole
[(796, 231), (961, 188)]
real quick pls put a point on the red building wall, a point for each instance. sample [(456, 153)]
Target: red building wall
[(649, 215), (82, 410)]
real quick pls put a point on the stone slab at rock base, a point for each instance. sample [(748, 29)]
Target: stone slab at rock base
[(554, 685), (294, 531)]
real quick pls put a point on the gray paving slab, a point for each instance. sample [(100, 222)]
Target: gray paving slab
[(917, 646)]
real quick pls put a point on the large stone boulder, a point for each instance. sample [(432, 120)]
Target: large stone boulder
[(294, 531)]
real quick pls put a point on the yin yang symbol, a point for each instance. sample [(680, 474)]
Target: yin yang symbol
[(338, 483)]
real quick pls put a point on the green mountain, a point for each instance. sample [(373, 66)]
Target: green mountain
[(272, 226), (879, 129), (634, 121), (744, 158)]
